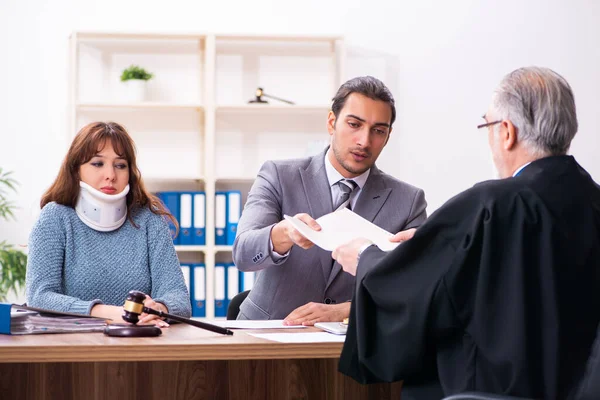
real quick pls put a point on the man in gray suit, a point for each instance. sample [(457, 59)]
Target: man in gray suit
[(298, 281)]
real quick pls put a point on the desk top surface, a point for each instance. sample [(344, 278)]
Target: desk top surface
[(178, 342)]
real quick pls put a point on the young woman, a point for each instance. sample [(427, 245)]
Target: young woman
[(100, 234)]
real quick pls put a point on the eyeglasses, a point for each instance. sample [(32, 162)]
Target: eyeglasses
[(488, 123)]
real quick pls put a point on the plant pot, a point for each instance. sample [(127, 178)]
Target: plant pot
[(135, 90)]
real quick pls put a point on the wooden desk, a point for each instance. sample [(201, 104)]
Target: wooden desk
[(184, 363)]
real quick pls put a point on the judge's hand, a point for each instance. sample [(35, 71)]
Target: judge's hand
[(311, 313), (347, 254), (150, 319), (403, 236), (284, 235)]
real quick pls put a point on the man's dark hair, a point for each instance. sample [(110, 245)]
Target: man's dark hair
[(368, 86)]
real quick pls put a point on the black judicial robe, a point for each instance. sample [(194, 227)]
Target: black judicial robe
[(498, 291)]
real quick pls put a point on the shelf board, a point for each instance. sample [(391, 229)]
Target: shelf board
[(203, 249), (87, 35), (235, 179), (192, 248), (144, 105), (223, 248), (169, 179), (204, 319), (278, 38), (273, 108), (91, 35)]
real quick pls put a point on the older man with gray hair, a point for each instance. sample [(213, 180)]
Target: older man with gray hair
[(499, 291)]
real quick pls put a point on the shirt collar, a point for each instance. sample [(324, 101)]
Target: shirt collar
[(333, 176), (518, 171)]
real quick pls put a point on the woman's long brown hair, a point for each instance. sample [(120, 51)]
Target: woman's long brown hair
[(87, 143)]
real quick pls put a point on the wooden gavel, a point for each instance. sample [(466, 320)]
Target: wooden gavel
[(134, 306), (259, 97)]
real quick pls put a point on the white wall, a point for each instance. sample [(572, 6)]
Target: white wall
[(441, 59)]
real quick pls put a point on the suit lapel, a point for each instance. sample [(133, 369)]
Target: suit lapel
[(372, 197), (318, 195), (316, 187)]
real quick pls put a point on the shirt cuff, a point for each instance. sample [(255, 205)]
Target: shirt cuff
[(275, 255), (362, 249)]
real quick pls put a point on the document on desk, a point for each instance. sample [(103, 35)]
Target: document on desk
[(340, 227), (302, 337), (254, 324), (23, 320)]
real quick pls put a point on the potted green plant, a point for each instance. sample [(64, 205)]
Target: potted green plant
[(13, 262), (135, 79)]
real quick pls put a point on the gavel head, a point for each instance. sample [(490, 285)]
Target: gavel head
[(134, 306)]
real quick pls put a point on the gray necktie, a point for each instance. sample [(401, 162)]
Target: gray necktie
[(346, 187)]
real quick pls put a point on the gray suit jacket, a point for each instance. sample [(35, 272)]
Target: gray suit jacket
[(301, 186)]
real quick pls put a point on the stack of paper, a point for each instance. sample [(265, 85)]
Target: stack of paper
[(36, 323), (304, 337), (255, 324), (23, 320)]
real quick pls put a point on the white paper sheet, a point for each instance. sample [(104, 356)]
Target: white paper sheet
[(336, 328), (304, 337), (340, 227), (251, 324)]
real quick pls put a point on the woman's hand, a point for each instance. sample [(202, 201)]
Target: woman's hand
[(114, 313), (149, 319)]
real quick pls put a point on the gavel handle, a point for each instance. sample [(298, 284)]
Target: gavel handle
[(277, 98), (198, 324)]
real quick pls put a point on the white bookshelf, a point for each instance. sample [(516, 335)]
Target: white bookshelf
[(196, 130)]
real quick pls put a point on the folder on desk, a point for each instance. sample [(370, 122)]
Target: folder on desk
[(23, 320), (199, 225), (171, 202), (246, 280), (185, 219), (198, 290), (220, 290), (234, 210), (220, 218)]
